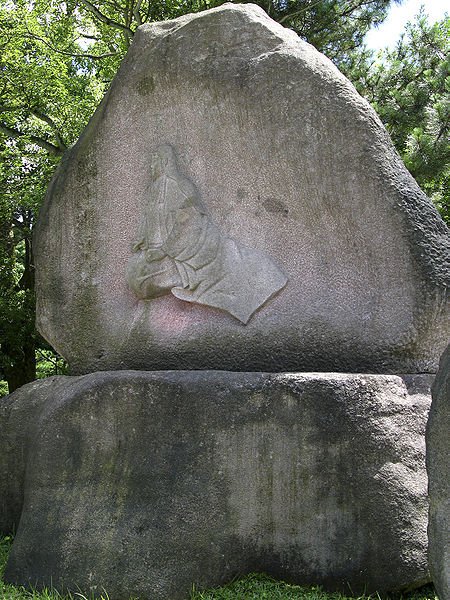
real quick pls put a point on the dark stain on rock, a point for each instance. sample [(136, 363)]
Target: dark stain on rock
[(145, 85), (275, 206), (86, 168)]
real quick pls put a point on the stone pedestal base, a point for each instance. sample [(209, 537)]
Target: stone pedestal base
[(143, 483)]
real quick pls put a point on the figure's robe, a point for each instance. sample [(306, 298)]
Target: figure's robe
[(217, 271), (180, 250)]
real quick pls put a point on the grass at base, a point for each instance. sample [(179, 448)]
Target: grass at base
[(251, 587), (258, 586)]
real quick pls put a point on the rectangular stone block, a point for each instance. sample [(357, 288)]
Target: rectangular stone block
[(144, 483)]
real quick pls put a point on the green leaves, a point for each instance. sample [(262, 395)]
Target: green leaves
[(334, 27), (410, 89), (47, 87), (46, 97)]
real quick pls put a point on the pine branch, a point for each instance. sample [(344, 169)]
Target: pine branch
[(348, 11), (298, 12)]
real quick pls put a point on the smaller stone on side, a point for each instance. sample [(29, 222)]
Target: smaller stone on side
[(438, 467)]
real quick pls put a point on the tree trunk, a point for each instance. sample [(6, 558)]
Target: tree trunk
[(21, 366), (24, 370)]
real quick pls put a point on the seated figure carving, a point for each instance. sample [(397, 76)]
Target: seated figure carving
[(181, 251)]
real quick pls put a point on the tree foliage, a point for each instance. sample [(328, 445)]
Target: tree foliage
[(46, 97), (58, 57), (334, 27), (409, 87)]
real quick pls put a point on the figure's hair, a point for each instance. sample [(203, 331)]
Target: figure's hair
[(170, 167), (168, 159)]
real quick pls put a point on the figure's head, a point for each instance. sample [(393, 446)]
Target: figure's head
[(162, 161)]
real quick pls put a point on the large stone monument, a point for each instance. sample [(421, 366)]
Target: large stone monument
[(228, 158), (250, 290)]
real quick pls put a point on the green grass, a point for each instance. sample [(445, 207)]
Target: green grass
[(10, 592), (252, 587), (256, 586), (262, 587)]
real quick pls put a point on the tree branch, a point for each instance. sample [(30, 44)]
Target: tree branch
[(66, 53), (136, 14), (15, 133), (104, 19), (87, 36), (42, 117), (52, 124), (298, 12)]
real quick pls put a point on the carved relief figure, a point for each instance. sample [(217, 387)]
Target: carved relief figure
[(181, 251)]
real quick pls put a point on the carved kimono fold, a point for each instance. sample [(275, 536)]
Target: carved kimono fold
[(183, 252)]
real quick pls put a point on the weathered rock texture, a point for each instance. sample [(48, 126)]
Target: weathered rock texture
[(438, 466), (144, 483), (288, 162)]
